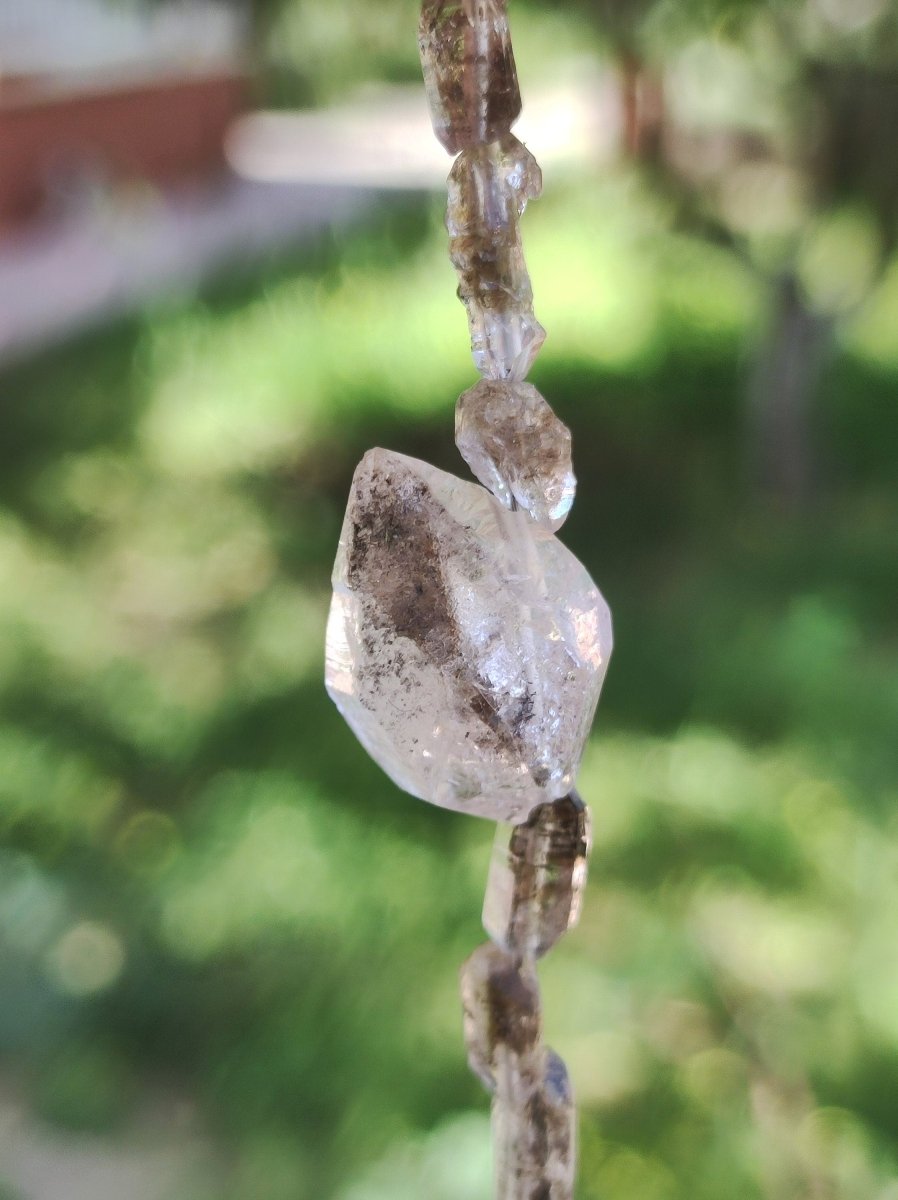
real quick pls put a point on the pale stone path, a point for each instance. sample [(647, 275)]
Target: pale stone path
[(114, 255), (161, 1155), (292, 175)]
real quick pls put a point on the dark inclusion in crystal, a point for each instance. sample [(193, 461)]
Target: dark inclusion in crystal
[(489, 187), (466, 646), (501, 1012), (537, 876), (533, 1106), (469, 71)]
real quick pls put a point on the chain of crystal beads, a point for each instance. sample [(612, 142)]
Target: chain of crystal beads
[(533, 897), (521, 452), (466, 646)]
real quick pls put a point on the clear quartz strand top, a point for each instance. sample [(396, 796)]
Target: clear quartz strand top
[(469, 71)]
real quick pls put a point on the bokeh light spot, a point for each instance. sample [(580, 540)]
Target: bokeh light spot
[(88, 958)]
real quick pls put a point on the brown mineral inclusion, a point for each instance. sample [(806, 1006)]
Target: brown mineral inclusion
[(466, 645), (517, 447), (469, 71), (489, 187), (537, 877)]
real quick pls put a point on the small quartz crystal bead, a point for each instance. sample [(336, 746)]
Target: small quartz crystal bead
[(537, 878), (469, 71), (516, 446), (501, 1005), (489, 187)]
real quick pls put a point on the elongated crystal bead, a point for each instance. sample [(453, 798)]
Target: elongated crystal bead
[(469, 71), (489, 187), (534, 1134), (537, 876), (516, 446), (501, 1014)]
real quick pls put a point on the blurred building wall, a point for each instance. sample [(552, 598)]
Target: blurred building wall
[(91, 91)]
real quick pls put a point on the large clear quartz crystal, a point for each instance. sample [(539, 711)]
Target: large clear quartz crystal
[(489, 187), (516, 446), (466, 646), (469, 71), (537, 877), (534, 1132), (501, 1009)]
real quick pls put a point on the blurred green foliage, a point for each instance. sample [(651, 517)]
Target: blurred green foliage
[(205, 882), (207, 891)]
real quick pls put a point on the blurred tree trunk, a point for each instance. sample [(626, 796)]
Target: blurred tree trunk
[(848, 163), (642, 109), (782, 394)]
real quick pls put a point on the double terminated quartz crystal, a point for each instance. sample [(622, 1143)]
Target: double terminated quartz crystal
[(466, 646)]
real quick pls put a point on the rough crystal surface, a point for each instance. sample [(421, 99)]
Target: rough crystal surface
[(489, 187), (533, 1121), (537, 876), (466, 646), (469, 71), (516, 446), (501, 1012)]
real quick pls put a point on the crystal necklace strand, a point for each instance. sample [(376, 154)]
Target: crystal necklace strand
[(466, 646)]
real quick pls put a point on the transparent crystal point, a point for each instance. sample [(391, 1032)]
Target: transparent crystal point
[(516, 446), (466, 646), (489, 187), (537, 876), (469, 71), (500, 1001)]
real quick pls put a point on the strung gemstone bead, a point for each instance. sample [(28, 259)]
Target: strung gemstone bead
[(501, 1014), (489, 187), (466, 646), (469, 71), (516, 446), (517, 1164), (534, 1134), (533, 1108), (537, 877)]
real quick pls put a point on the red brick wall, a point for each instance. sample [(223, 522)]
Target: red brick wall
[(162, 131)]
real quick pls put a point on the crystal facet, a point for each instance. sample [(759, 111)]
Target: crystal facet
[(534, 1134), (469, 71), (501, 1012), (489, 187), (537, 876), (466, 646), (517, 447)]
